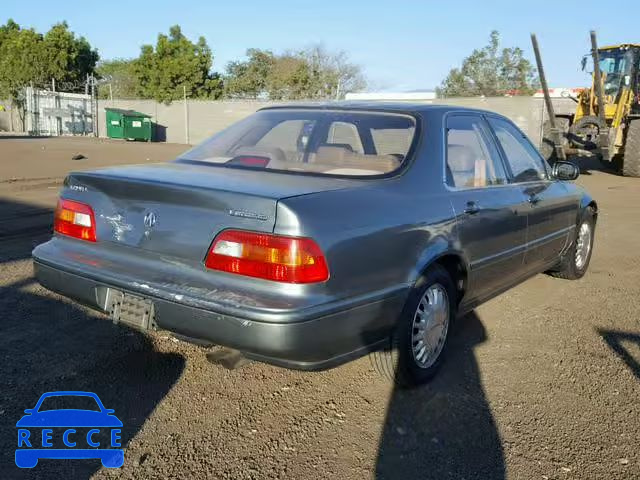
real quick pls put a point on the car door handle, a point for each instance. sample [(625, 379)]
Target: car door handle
[(471, 208), (534, 199)]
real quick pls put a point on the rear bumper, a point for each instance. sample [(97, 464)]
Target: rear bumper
[(323, 338)]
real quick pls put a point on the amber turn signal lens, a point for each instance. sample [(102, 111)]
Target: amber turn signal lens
[(75, 219)]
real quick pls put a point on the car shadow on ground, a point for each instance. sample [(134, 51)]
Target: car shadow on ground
[(616, 339), (49, 344), (445, 429), (588, 165)]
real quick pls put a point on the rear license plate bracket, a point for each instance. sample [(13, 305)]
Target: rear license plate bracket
[(131, 310)]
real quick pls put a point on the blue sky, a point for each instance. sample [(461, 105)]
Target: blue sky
[(400, 44)]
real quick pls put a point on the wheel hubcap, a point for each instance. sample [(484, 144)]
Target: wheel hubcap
[(430, 326), (583, 245)]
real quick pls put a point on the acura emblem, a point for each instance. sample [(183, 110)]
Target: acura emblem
[(150, 219)]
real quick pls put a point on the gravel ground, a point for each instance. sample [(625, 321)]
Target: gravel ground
[(542, 382)]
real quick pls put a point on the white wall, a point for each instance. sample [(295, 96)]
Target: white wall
[(208, 117)]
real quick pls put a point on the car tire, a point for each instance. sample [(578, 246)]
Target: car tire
[(547, 148), (426, 317), (575, 262), (631, 160)]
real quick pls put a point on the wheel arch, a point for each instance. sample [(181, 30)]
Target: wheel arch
[(453, 261), (588, 202)]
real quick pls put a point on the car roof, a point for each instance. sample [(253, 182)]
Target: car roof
[(392, 107)]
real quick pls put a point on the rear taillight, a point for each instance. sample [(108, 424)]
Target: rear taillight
[(272, 257), (75, 219)]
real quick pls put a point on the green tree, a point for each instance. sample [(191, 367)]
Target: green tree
[(248, 78), (289, 79), (173, 64), (69, 58), (313, 73), (491, 71), (21, 59), (120, 75), (28, 57)]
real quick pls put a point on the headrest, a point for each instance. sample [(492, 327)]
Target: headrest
[(331, 154), (346, 146), (460, 158)]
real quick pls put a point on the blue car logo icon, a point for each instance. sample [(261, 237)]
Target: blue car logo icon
[(85, 433)]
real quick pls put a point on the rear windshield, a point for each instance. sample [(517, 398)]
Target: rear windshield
[(324, 142)]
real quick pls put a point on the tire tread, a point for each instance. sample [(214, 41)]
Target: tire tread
[(631, 160)]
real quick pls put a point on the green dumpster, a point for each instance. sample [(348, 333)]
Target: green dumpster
[(128, 124)]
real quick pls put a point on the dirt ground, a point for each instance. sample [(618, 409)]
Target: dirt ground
[(540, 383)]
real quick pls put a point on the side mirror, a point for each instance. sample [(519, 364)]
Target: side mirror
[(29, 411), (565, 171), (109, 411), (586, 64)]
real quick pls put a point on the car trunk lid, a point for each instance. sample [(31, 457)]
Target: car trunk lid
[(176, 209)]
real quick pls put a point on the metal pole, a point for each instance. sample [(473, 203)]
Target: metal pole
[(110, 94), (541, 132), (32, 114), (53, 85), (603, 137), (186, 115), (557, 136), (94, 107), (597, 74)]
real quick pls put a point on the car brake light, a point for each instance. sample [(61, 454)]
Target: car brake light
[(249, 161), (75, 219), (267, 256)]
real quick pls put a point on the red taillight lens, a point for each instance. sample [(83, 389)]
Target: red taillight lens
[(272, 257), (249, 161), (75, 219)]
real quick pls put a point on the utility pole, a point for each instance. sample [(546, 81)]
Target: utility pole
[(186, 115), (110, 94), (94, 106), (53, 85)]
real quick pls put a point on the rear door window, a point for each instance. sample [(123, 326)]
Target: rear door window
[(472, 158)]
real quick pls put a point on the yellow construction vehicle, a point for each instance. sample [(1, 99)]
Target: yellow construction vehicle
[(606, 122)]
